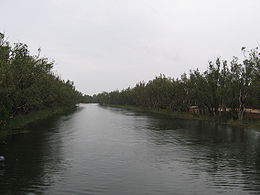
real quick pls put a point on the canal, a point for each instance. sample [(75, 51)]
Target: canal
[(102, 150)]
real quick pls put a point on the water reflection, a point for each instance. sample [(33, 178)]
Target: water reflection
[(222, 157), (32, 158), (102, 150), (229, 157)]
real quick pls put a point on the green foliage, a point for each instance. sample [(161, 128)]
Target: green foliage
[(223, 85), (27, 83), (87, 99)]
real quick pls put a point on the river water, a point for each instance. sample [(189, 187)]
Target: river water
[(110, 151)]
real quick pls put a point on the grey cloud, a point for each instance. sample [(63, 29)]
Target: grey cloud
[(109, 44)]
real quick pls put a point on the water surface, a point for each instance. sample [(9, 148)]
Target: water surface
[(110, 151)]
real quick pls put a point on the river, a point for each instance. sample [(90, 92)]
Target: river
[(109, 151)]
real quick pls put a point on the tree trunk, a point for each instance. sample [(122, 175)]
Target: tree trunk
[(242, 101)]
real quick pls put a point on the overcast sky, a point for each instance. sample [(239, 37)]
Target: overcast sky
[(103, 45)]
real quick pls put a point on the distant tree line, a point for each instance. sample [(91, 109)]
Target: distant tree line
[(87, 99), (234, 85), (27, 83)]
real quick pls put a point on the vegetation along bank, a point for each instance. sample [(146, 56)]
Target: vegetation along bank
[(29, 90), (225, 91)]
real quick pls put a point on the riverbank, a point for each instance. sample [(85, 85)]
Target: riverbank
[(254, 124), (16, 125)]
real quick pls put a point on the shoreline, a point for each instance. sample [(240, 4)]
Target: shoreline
[(252, 124), (19, 122)]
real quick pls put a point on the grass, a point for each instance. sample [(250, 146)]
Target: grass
[(254, 124), (19, 122)]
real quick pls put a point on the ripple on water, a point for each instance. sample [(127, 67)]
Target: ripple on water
[(99, 150)]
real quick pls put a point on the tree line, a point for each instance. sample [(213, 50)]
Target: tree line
[(234, 85), (27, 83)]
